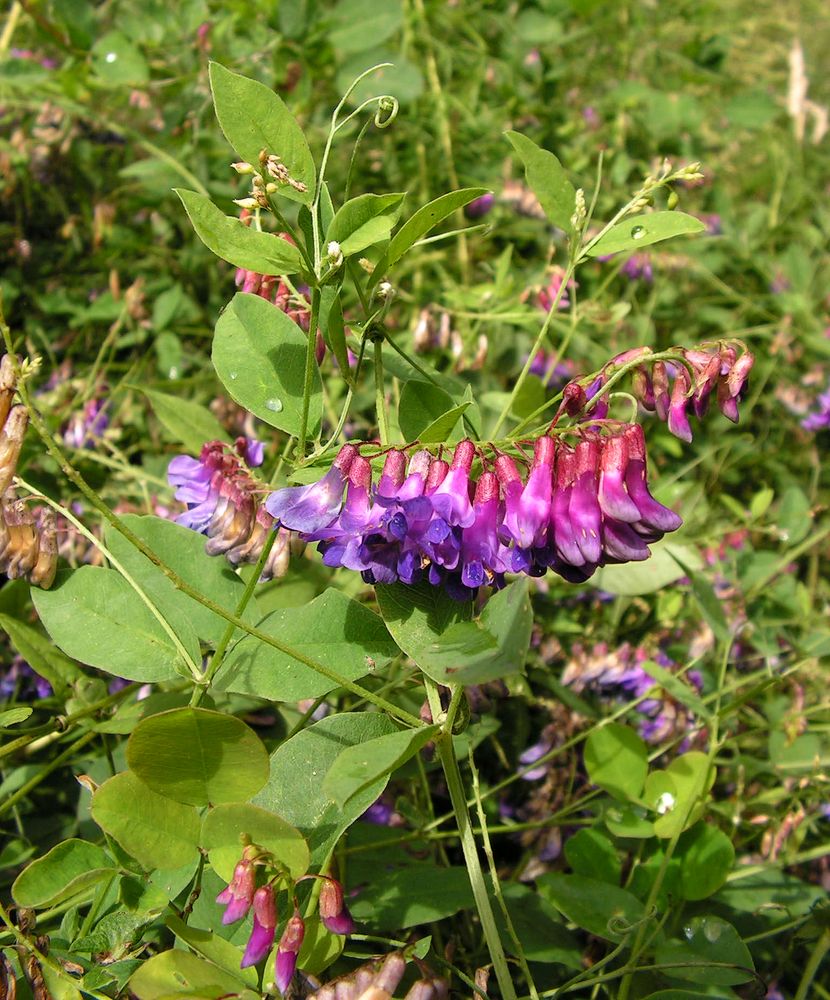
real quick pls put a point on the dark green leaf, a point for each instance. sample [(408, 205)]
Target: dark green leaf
[(417, 895), (417, 616), (548, 179), (597, 907), (188, 423), (364, 764), (708, 940), (707, 856), (239, 244), (259, 354), (254, 118), (95, 616), (421, 405), (440, 431), (40, 653), (589, 852)]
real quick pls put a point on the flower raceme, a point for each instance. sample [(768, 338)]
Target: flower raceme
[(581, 506)]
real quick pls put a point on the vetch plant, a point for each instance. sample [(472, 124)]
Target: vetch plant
[(398, 474)]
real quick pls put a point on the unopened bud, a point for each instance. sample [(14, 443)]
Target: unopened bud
[(11, 441), (242, 168), (46, 565)]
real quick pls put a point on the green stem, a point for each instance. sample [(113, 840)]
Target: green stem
[(520, 381), (449, 763), (308, 378), (822, 946), (380, 397), (45, 771), (201, 689)]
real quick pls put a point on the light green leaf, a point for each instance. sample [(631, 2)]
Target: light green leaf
[(418, 615), (237, 243), (254, 118), (225, 825), (427, 218), (617, 760), (421, 405), (116, 61), (95, 616), (214, 948), (362, 765), (332, 629), (179, 974), (187, 422), (70, 868), (548, 180), (692, 775), (358, 25), (364, 221), (654, 573), (198, 757), (156, 831), (259, 354), (441, 429), (706, 859), (12, 716), (643, 230)]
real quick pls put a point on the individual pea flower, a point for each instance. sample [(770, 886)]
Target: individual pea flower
[(85, 428), (310, 508), (11, 441), (333, 910), (238, 896), (287, 951), (547, 296), (819, 418), (264, 905), (481, 206), (638, 268)]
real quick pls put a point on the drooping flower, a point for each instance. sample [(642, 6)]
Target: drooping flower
[(238, 896), (288, 950), (310, 508), (265, 926), (333, 910)]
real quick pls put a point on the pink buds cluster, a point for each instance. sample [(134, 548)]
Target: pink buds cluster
[(244, 894), (581, 506), (222, 502), (379, 980), (28, 544), (673, 390)]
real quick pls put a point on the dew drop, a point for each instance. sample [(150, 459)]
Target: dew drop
[(111, 57), (711, 930), (233, 376), (689, 933), (637, 233), (273, 404)]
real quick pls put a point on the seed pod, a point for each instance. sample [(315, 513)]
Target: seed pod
[(11, 441)]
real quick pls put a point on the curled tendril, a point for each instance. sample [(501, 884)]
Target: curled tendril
[(387, 111), (619, 925)]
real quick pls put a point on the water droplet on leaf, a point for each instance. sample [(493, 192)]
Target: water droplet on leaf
[(711, 930), (111, 57), (688, 932), (638, 232), (233, 375), (275, 405)]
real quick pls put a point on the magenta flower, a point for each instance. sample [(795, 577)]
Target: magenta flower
[(333, 910), (265, 926), (239, 894), (288, 950)]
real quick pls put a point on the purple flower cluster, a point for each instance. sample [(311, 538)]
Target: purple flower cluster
[(819, 419), (243, 894), (581, 507), (222, 502)]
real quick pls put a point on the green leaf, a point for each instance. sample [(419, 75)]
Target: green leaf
[(239, 244), (183, 550), (40, 654), (441, 430), (116, 61), (364, 221), (678, 688), (70, 868), (198, 757), (684, 995), (421, 405), (179, 974), (12, 716), (548, 180), (643, 230), (707, 857), (627, 821), (708, 939), (254, 118), (597, 907), (333, 630), (420, 894), (334, 332), (617, 760), (417, 615), (538, 927), (225, 825), (427, 218), (294, 789), (259, 354), (653, 574), (589, 852), (488, 649), (359, 766), (213, 948), (320, 947), (692, 775), (156, 831), (358, 25), (95, 616), (188, 423)]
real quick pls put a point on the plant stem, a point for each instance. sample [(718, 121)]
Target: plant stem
[(380, 397), (822, 946), (449, 763), (308, 378), (200, 690), (46, 770)]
